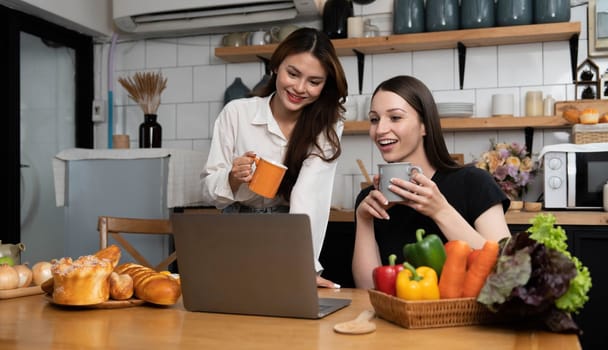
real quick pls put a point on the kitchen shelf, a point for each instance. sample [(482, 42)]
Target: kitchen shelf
[(460, 39), (423, 41), (478, 124), (563, 217)]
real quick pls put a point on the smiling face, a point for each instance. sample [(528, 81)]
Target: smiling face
[(300, 80), (396, 128)]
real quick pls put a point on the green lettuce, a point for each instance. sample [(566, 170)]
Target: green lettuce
[(536, 276), (543, 230)]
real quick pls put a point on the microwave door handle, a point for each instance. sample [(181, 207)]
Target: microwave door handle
[(571, 161)]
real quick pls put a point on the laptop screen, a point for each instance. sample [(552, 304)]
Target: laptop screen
[(260, 264)]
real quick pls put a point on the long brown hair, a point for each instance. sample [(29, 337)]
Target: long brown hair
[(417, 95), (317, 117)]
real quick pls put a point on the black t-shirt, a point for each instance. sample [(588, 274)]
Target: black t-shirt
[(471, 191)]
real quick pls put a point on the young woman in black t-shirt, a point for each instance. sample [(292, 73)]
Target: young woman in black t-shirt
[(453, 201)]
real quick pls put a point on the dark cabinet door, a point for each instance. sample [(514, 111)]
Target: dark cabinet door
[(590, 245), (337, 253)]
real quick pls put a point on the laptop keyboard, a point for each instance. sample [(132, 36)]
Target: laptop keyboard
[(324, 307)]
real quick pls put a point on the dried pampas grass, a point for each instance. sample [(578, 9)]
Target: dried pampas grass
[(145, 89)]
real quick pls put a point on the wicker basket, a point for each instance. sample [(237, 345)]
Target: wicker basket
[(431, 313), (582, 133)]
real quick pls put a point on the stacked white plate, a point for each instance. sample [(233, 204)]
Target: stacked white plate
[(455, 109)]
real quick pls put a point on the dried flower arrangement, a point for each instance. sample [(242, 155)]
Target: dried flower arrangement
[(145, 89)]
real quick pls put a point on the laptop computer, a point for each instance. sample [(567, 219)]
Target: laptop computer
[(253, 264)]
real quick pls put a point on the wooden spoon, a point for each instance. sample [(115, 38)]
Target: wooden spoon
[(360, 325), (368, 179)]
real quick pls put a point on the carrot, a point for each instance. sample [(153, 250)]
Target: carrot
[(451, 282), (472, 256), (480, 269)]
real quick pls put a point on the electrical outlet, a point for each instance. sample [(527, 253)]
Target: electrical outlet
[(98, 111)]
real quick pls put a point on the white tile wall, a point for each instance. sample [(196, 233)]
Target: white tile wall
[(161, 53), (197, 81)]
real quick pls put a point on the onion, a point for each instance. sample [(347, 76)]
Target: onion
[(25, 275), (9, 278), (41, 272)]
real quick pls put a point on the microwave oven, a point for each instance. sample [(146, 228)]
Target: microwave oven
[(574, 175)]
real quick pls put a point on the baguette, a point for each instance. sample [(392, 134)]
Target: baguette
[(151, 286)]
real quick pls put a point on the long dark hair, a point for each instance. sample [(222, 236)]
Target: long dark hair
[(319, 116), (417, 95)]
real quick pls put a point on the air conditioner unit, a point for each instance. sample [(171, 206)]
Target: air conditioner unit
[(206, 16)]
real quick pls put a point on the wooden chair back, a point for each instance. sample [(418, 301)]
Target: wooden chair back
[(115, 227)]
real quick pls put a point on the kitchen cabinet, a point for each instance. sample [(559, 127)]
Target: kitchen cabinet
[(459, 39), (337, 252), (589, 243)]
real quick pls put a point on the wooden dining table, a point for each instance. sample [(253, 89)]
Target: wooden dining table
[(33, 322)]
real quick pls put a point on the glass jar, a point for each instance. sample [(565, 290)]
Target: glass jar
[(534, 103), (370, 30), (548, 105)]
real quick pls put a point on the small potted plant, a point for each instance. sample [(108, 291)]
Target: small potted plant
[(512, 167)]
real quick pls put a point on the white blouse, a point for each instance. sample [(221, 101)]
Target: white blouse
[(248, 125)]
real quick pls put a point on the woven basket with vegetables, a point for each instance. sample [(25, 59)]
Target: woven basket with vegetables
[(528, 278)]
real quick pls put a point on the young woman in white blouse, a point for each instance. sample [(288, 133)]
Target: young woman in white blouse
[(295, 119)]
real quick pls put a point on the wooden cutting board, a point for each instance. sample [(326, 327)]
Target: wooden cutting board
[(20, 292)]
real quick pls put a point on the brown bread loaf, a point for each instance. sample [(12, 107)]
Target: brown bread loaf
[(83, 281), (151, 286), (121, 286), (111, 253)]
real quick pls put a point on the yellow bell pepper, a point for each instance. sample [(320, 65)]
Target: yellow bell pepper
[(417, 284)]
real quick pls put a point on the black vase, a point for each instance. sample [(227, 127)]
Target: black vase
[(150, 132), (335, 18), (237, 89)]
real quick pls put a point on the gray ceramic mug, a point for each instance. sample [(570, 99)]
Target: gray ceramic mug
[(401, 170)]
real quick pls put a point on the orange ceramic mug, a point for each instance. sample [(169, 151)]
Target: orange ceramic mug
[(267, 177)]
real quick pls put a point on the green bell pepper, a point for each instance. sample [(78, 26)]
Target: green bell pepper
[(427, 251)]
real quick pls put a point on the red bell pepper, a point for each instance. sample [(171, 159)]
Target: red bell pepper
[(385, 277)]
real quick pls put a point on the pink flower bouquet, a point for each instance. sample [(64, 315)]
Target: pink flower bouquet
[(511, 167)]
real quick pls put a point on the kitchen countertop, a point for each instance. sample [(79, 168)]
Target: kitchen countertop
[(588, 218), (513, 217), (33, 323)]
